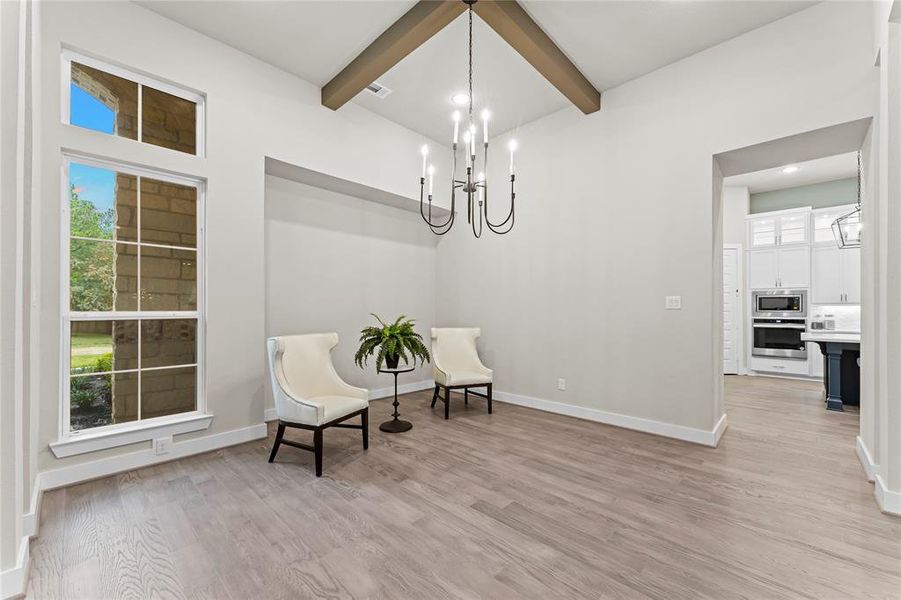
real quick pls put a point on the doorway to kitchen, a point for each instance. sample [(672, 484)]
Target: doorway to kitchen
[(788, 286)]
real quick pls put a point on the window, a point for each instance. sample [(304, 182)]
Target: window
[(115, 101), (132, 322)]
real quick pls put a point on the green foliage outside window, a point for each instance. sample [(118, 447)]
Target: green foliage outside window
[(91, 263)]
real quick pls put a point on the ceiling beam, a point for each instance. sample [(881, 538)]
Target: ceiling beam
[(516, 27), (425, 19)]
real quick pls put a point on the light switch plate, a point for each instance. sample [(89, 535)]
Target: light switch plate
[(673, 302), (561, 384)]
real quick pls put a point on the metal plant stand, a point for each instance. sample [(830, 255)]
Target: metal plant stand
[(396, 425)]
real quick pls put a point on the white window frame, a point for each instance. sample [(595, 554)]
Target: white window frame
[(76, 442), (69, 56)]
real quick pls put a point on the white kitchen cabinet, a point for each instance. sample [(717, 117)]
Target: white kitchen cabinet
[(794, 267), (782, 228), (779, 268), (762, 232), (822, 223), (851, 274), (793, 228), (827, 275), (784, 366), (762, 270), (836, 275)]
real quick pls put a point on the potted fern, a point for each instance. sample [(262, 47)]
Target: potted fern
[(390, 343)]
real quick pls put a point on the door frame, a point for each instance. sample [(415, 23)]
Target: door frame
[(743, 321)]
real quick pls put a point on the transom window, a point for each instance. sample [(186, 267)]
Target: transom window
[(116, 101), (132, 327)]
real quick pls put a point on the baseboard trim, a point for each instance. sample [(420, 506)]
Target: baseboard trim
[(388, 392), (14, 580), (688, 434), (866, 460), (105, 467), (889, 501)]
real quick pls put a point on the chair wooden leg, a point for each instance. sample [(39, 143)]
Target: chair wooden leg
[(489, 398), (466, 396), (317, 450), (447, 403), (278, 441), (365, 422), (435, 396)]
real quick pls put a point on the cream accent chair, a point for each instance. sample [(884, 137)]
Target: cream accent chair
[(456, 365), (309, 393)]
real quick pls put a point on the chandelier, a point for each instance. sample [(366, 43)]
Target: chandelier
[(846, 228), (475, 187)]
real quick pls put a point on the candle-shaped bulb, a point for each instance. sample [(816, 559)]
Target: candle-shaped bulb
[(512, 146), (467, 138), (431, 178), (456, 125), (481, 179), (425, 155), (485, 116)]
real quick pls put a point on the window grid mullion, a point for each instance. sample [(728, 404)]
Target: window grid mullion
[(138, 260)]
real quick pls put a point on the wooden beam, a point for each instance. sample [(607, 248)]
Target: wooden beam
[(513, 23), (421, 22)]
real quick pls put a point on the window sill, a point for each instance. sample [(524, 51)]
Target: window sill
[(80, 443)]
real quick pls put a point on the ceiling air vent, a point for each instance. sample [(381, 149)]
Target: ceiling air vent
[(377, 89)]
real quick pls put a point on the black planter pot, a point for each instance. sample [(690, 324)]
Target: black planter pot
[(391, 361)]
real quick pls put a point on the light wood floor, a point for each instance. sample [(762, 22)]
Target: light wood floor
[(519, 504)]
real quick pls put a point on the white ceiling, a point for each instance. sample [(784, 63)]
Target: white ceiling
[(841, 166), (610, 41)]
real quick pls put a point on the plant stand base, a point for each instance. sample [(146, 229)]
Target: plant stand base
[(396, 426)]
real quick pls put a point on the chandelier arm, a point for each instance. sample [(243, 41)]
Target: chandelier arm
[(428, 218), (510, 215), (478, 233), (511, 218)]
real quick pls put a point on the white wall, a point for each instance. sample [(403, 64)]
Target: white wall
[(735, 209), (879, 445), (736, 203), (615, 213), (253, 110), (332, 259)]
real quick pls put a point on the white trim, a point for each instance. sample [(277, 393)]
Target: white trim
[(130, 433), (104, 467), (32, 517), (270, 414), (132, 168), (689, 434), (889, 501), (14, 579), (719, 429), (740, 282), (866, 460)]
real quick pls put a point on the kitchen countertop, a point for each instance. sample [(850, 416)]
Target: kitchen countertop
[(843, 337)]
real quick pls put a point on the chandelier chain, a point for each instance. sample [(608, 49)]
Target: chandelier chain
[(473, 187), (470, 63)]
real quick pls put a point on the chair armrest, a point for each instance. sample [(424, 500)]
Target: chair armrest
[(485, 370), (342, 388)]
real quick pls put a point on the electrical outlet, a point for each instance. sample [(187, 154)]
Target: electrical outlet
[(673, 302), (161, 445), (561, 384)]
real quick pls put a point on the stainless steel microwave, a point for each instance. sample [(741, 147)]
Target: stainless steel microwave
[(779, 304)]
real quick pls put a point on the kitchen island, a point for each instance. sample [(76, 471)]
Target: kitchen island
[(841, 365)]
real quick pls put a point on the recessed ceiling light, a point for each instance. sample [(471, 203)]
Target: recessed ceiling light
[(790, 169), (460, 99)]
